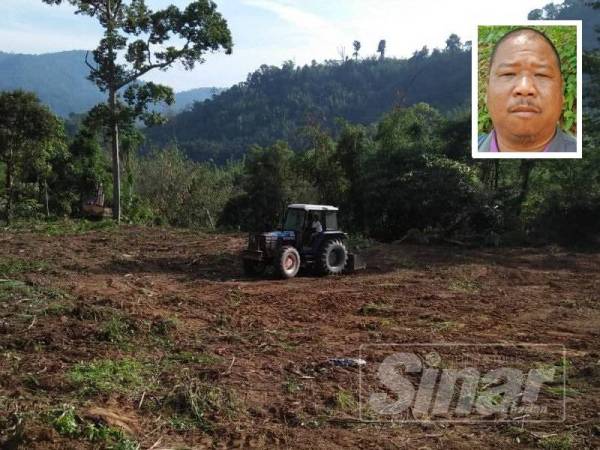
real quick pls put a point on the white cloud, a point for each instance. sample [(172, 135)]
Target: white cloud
[(309, 36), (301, 19)]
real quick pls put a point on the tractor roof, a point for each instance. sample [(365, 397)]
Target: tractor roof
[(308, 207)]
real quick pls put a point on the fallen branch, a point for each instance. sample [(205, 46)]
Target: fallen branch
[(155, 444), (32, 323), (142, 400), (228, 371)]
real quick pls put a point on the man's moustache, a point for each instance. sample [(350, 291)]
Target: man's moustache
[(524, 107)]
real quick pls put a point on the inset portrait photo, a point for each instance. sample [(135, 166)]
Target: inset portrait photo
[(526, 93)]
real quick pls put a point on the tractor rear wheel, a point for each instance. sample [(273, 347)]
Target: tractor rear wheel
[(287, 263), (254, 268), (332, 257)]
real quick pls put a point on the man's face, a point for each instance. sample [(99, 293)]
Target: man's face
[(525, 90)]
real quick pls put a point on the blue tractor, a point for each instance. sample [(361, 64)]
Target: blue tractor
[(309, 238)]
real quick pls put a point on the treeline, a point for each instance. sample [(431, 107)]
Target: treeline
[(275, 103), (411, 174)]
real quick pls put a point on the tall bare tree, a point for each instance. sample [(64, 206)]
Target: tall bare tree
[(381, 49)]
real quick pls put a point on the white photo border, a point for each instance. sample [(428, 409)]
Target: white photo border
[(475, 153)]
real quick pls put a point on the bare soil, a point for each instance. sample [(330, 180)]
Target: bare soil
[(177, 303)]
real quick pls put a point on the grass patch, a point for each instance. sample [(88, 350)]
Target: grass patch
[(344, 401), (63, 227), (359, 241), (12, 266), (441, 326), (117, 330), (202, 402), (29, 301), (85, 311), (489, 400), (375, 309), (58, 309), (164, 327), (15, 290), (182, 423), (67, 423), (292, 386), (235, 297), (560, 391), (519, 434), (559, 370), (197, 358), (110, 438), (126, 376), (561, 442), (464, 286)]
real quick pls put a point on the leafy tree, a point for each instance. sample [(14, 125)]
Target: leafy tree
[(421, 54), (320, 167), (453, 44), (410, 183), (266, 189), (353, 149), (172, 189), (356, 46), (86, 169), (29, 136), (455, 136), (119, 63), (591, 65)]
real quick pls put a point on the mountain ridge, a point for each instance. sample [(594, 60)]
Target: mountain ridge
[(59, 80)]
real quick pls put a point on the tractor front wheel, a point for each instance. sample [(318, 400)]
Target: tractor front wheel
[(287, 262), (332, 258)]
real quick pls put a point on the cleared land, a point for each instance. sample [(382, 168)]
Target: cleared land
[(110, 338)]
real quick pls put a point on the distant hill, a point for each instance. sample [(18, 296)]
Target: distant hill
[(573, 10), (59, 80), (277, 102)]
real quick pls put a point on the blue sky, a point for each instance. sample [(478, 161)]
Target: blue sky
[(273, 31)]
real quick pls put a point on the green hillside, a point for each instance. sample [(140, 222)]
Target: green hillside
[(57, 78), (277, 102)]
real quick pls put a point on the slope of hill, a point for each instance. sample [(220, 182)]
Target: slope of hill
[(59, 80), (276, 102), (573, 10)]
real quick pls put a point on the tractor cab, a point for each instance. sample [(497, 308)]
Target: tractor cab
[(299, 218)]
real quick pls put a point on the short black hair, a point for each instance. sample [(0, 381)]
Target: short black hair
[(522, 30)]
